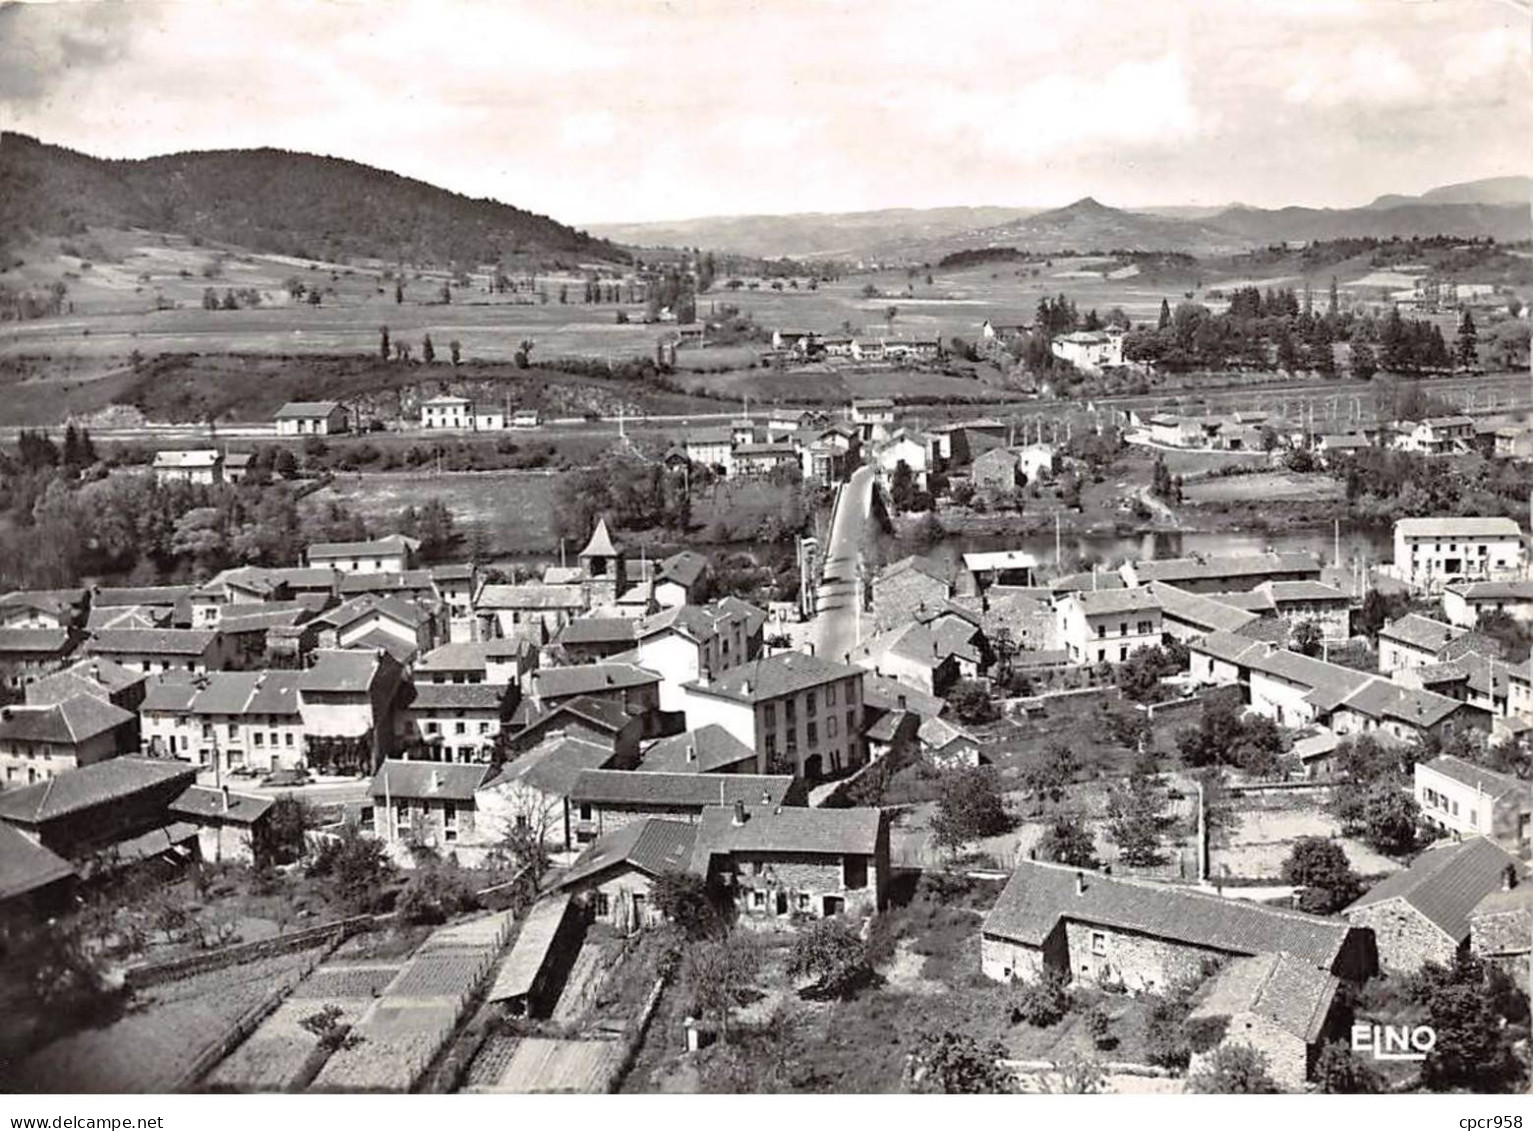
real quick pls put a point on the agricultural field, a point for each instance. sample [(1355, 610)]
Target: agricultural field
[(510, 508), (1265, 833), (163, 1033), (1267, 486)]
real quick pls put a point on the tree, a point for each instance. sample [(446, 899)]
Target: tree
[(1164, 322), (1391, 819), (1307, 638), (455, 351), (383, 342), (286, 827), (333, 1033), (1042, 1002), (834, 955), (1339, 1073), (1473, 1050), (1135, 821), (685, 900), (1320, 867), (719, 974), (890, 314), (1049, 776), (970, 807), (1068, 840), (435, 893), (972, 702), (1364, 363), (428, 351), (314, 298), (357, 866), (445, 294), (1234, 1069), (1466, 347), (950, 1063)]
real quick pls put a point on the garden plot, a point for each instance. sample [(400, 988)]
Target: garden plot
[(402, 1032), (168, 1028), (281, 1055), (1256, 848), (541, 1064)]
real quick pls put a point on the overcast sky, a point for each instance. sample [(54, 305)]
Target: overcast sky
[(605, 110)]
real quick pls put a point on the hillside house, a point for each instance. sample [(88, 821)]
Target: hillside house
[(232, 828), (801, 714), (43, 608), (1279, 1005), (634, 689), (151, 650), (1433, 552), (1501, 927), (682, 579), (508, 607), (203, 466), (1096, 929), (26, 653), (41, 742), (426, 803), (392, 554), (1438, 436), (1421, 914), (347, 699), (707, 750), (1465, 800), (1090, 351), (873, 417), (688, 643), (1186, 616), (613, 879), (903, 587), (712, 448), (778, 862), (311, 418), (995, 470), (1105, 626), (502, 663), (100, 808), (532, 793), (447, 412)]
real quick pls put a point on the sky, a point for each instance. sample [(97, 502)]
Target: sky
[(632, 110)]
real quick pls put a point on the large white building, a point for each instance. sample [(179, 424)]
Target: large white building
[(1107, 625), (1433, 552), (1090, 351), (311, 418)]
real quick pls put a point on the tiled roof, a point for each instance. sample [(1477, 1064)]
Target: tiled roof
[(1039, 896), (754, 618), (589, 679), (128, 616), (163, 595), (1494, 590), (917, 563), (379, 547), (447, 781), (1228, 647), (601, 713), (305, 410), (531, 597), (73, 721), (885, 693), (1238, 565), (1294, 994), (1380, 699), (938, 733), (154, 641), (26, 866), (1459, 527), (1110, 602), (700, 622), (1420, 632), (89, 786), (469, 655), (260, 618), (554, 765), (415, 583), (1308, 671), (25, 641), (204, 802), (787, 830), (1087, 581), (458, 697), (1303, 591), (341, 670), (1493, 784), (1444, 884), (684, 790), (701, 751), (782, 674), (597, 630), (100, 677), (653, 846), (685, 568), (1198, 610), (407, 613)]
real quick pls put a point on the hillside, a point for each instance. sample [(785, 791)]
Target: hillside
[(270, 200), (1491, 190), (817, 234)]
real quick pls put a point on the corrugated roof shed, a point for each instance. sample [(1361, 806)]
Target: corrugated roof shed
[(519, 973)]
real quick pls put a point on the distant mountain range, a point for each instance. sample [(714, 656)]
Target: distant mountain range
[(271, 200), (1498, 207)]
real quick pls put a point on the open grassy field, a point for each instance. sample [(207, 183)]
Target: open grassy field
[(510, 508), (1271, 486)]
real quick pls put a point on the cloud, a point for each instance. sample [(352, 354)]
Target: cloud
[(43, 46)]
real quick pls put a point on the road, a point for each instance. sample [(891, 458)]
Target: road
[(838, 622)]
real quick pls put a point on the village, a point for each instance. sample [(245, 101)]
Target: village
[(1143, 823)]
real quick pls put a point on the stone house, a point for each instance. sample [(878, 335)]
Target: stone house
[(500, 663), (591, 639), (231, 827), (1282, 1006), (995, 470), (783, 863), (150, 650), (508, 607), (1185, 615), (26, 653), (43, 608), (428, 803), (455, 722), (1421, 914), (636, 690), (1107, 930), (311, 418), (1311, 602), (1406, 713), (687, 642), (707, 750), (40, 742), (532, 793), (1432, 552), (96, 807), (1413, 640), (682, 579), (602, 801), (594, 720), (1501, 927), (1207, 573), (1222, 659), (401, 627), (613, 879)]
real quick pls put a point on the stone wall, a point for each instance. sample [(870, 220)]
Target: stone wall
[(808, 876), (1004, 960), (1138, 962), (1405, 938), (1288, 1057)]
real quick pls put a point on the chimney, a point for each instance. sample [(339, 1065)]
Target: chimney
[(226, 798), (691, 751), (739, 817), (1080, 883), (901, 701), (435, 785), (766, 797), (1509, 877)]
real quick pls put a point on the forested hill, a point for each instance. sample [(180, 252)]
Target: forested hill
[(274, 201)]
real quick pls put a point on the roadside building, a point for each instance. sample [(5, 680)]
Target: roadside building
[(1438, 436), (995, 470), (502, 663), (151, 650), (1407, 714), (634, 689), (707, 750), (605, 800), (311, 418), (455, 722), (776, 863), (592, 639), (426, 803), (44, 608), (801, 714), (683, 579), (910, 584), (1186, 615), (447, 412), (873, 417), (97, 808), (1421, 914), (1433, 552)]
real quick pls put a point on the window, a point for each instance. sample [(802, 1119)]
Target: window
[(1101, 631), (258, 738), (851, 723), (813, 733), (1144, 628), (771, 745), (460, 728), (854, 872), (758, 900), (484, 728), (449, 822), (769, 715), (830, 694), (1098, 942), (401, 816), (234, 732), (602, 907), (830, 727), (431, 728), (585, 811), (803, 901), (1122, 652), (289, 737), (1123, 628), (365, 817), (789, 712)]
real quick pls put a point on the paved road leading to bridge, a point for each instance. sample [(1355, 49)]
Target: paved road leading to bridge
[(839, 622)]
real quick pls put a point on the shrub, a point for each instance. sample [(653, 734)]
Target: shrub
[(1041, 1003), (434, 895)]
